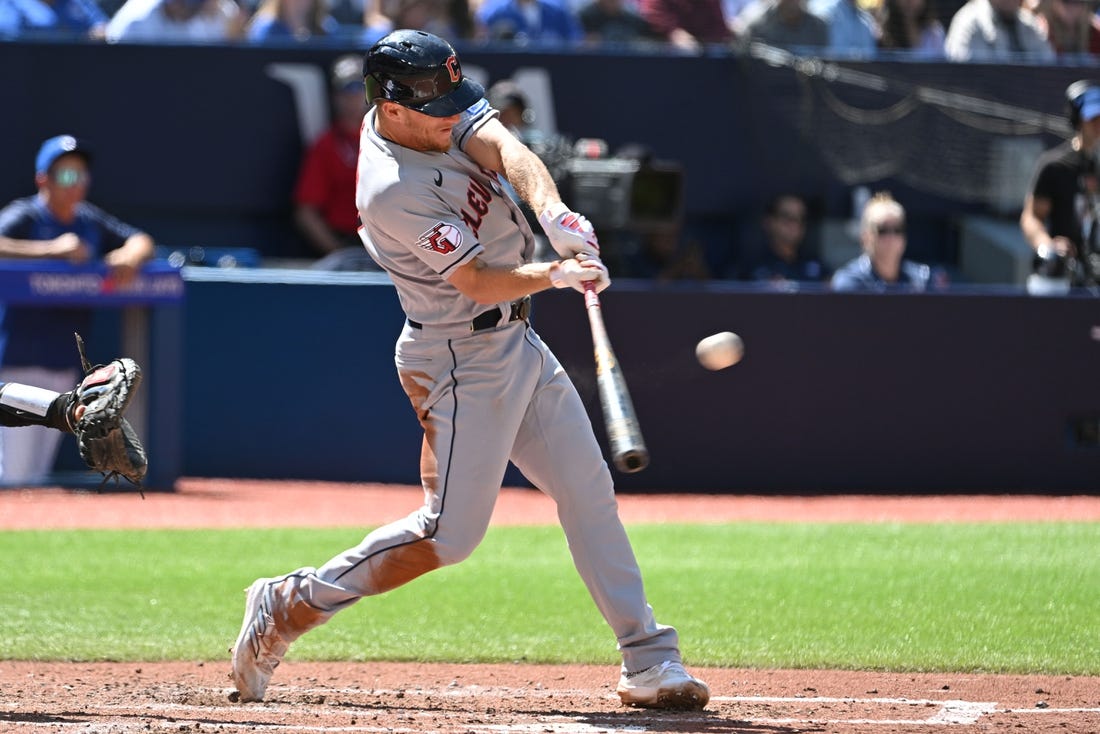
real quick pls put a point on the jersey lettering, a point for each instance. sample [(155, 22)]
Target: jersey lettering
[(442, 238), (478, 197)]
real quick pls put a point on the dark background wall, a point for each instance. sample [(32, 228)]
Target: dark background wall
[(201, 145), (836, 393)]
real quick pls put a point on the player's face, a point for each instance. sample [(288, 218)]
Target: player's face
[(426, 133)]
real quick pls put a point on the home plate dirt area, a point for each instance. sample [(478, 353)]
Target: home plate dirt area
[(528, 699), (522, 698)]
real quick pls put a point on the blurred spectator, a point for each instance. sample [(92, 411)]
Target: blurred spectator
[(291, 20), (515, 114), (784, 255), (55, 18), (446, 18), (1061, 217), (912, 25), (57, 223), (1070, 26), (661, 256), (176, 21), (882, 266), (524, 21), (324, 195), (687, 24), (377, 22), (852, 30), (783, 23), (612, 22), (995, 30), (731, 9)]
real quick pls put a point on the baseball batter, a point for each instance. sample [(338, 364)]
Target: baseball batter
[(484, 385)]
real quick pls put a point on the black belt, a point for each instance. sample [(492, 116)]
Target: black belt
[(521, 309)]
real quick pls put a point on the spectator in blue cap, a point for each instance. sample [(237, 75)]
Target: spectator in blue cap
[(57, 223)]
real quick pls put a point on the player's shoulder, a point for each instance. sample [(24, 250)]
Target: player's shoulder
[(473, 117), (406, 189)]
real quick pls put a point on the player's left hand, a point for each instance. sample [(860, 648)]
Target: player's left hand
[(570, 233), (576, 273)]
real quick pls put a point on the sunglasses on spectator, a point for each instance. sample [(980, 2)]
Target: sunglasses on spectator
[(790, 217), (884, 229), (67, 178)]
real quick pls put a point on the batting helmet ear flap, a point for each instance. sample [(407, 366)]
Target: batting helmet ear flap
[(1075, 94)]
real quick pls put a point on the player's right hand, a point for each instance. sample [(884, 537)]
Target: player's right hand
[(570, 233), (574, 273)]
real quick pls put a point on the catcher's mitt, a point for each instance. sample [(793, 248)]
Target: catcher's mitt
[(106, 440)]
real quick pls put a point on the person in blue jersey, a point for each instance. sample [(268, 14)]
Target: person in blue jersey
[(57, 223)]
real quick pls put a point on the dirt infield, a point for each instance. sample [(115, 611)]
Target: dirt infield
[(500, 699)]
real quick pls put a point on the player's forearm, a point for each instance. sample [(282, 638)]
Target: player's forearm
[(529, 177), (31, 249), (488, 284)]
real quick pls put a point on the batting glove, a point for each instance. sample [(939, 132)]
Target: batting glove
[(575, 273), (570, 233)]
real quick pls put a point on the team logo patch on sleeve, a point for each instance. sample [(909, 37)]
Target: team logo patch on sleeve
[(442, 238)]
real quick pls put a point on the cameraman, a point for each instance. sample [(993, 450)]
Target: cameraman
[(1059, 218)]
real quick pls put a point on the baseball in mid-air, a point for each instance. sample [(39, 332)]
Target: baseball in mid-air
[(721, 350)]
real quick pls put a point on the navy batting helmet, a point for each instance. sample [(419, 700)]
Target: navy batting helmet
[(420, 71)]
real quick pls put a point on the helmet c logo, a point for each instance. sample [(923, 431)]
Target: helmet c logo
[(453, 68)]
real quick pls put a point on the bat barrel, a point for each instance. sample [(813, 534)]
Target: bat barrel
[(624, 434)]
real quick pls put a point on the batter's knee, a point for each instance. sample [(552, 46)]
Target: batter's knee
[(450, 553)]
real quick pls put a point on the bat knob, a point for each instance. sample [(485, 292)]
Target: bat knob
[(632, 461)]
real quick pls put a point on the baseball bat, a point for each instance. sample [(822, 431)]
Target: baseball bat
[(628, 449)]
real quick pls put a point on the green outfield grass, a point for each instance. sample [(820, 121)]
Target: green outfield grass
[(985, 597)]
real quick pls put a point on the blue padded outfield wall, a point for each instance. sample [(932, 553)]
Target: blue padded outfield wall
[(836, 393)]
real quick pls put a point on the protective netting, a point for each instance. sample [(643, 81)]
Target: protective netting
[(870, 127)]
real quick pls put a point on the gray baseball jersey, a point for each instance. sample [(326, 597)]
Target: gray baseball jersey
[(426, 214), (484, 397)]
